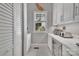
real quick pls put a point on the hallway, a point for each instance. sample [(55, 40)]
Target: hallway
[(39, 29), (42, 50)]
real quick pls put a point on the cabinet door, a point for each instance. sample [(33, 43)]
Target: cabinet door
[(62, 12), (57, 13), (65, 51), (54, 14), (68, 12), (76, 11), (50, 44), (57, 48)]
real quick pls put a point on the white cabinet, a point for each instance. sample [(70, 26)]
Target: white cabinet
[(57, 47), (62, 13), (54, 46), (76, 11), (66, 51), (50, 44), (67, 12), (28, 42), (57, 13), (62, 46)]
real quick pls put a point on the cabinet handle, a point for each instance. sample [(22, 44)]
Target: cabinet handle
[(62, 18)]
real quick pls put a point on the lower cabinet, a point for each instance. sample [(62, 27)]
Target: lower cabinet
[(54, 46), (66, 51), (50, 44), (57, 48)]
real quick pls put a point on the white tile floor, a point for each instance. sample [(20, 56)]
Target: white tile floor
[(42, 51)]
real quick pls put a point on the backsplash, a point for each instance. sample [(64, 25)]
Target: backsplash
[(73, 28)]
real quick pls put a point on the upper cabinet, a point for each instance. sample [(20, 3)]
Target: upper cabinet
[(57, 13), (65, 13), (76, 11)]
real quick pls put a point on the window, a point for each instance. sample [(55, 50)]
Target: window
[(40, 21)]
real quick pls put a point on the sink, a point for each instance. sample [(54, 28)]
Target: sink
[(77, 44), (66, 35)]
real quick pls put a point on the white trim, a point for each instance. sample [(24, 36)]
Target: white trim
[(25, 28)]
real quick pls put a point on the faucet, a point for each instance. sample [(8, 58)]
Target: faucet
[(61, 27)]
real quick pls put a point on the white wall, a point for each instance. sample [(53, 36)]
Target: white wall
[(17, 30)]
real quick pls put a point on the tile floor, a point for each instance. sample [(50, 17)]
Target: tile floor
[(42, 51)]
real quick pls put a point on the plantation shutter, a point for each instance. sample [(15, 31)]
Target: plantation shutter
[(6, 29)]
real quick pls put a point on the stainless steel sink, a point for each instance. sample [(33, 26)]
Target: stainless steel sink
[(77, 44)]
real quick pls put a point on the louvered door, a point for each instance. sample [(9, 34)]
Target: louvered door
[(6, 29)]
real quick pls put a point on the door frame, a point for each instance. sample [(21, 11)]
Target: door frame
[(24, 28)]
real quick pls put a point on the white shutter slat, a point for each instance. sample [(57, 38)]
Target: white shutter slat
[(6, 29)]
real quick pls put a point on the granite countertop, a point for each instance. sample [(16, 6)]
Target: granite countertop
[(70, 43)]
